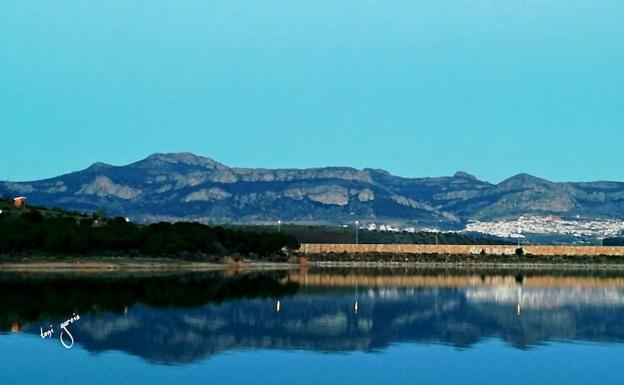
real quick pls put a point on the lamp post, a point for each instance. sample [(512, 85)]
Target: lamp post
[(279, 222), (357, 224)]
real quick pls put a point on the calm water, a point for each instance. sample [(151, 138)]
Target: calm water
[(316, 327)]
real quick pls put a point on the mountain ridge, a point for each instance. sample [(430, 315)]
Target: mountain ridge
[(185, 186)]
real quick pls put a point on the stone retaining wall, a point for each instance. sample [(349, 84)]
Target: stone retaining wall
[(322, 248)]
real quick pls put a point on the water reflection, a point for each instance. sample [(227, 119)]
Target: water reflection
[(177, 319)]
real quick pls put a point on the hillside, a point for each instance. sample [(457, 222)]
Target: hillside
[(26, 232), (183, 186)]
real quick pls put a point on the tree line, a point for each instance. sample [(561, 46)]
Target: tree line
[(27, 299), (32, 232), (617, 241)]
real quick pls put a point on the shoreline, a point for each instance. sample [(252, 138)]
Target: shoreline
[(147, 265), (465, 261), (114, 264)]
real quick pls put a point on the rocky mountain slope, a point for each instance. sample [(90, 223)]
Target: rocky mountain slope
[(185, 186)]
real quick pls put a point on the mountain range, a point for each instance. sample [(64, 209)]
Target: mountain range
[(184, 186)]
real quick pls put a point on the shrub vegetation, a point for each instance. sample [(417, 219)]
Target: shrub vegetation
[(36, 230)]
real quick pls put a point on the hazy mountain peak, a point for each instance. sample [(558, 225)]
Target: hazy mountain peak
[(377, 170), (525, 181), (185, 158), (99, 166), (465, 175)]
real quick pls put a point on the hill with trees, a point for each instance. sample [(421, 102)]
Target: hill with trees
[(36, 230)]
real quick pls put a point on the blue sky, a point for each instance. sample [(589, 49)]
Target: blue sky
[(420, 88)]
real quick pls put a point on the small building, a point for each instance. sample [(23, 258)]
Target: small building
[(19, 201), (16, 327)]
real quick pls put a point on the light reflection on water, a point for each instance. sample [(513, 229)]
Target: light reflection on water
[(185, 320)]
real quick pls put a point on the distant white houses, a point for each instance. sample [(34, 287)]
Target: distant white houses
[(393, 228), (515, 227)]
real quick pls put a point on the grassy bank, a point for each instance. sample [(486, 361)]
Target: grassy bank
[(104, 264)]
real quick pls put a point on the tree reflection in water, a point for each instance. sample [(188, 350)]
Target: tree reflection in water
[(181, 318)]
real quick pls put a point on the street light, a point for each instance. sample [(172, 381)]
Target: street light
[(279, 222), (357, 224)]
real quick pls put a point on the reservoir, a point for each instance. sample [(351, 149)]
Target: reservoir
[(314, 326)]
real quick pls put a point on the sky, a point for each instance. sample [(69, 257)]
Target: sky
[(418, 88)]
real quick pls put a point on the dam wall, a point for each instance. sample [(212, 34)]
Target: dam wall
[(541, 250)]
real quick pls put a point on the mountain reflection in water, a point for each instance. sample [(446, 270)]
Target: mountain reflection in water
[(183, 318)]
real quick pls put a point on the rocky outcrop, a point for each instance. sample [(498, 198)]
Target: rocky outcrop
[(103, 186), (211, 194), (366, 195)]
